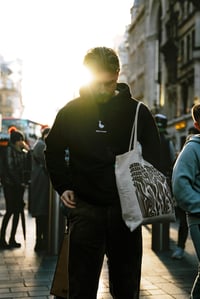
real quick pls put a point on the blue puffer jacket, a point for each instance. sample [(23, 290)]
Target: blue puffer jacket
[(186, 176)]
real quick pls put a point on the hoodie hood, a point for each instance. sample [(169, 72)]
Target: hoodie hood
[(194, 138), (122, 88)]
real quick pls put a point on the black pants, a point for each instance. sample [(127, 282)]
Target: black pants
[(14, 205), (94, 232)]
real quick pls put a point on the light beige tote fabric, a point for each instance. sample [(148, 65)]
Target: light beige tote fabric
[(145, 195)]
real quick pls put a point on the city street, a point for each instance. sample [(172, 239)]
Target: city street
[(72, 74), (26, 274)]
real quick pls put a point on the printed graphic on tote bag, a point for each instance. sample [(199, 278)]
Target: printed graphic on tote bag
[(146, 190)]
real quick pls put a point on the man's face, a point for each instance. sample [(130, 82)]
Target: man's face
[(104, 85)]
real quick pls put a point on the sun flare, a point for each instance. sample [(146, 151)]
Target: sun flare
[(84, 76)]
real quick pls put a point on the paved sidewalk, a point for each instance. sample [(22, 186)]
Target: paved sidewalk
[(164, 277), (26, 274)]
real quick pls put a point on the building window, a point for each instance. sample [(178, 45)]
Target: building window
[(184, 90), (193, 39), (9, 101), (183, 11), (190, 7), (182, 51), (188, 48), (9, 84)]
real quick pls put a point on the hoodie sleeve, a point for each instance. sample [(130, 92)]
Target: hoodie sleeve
[(186, 178), (55, 153)]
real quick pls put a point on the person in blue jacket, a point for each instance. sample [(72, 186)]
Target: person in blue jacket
[(186, 189)]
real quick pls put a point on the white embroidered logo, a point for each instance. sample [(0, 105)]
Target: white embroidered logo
[(101, 127)]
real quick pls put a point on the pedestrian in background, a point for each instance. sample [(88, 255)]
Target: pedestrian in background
[(14, 182), (168, 153), (39, 192), (181, 215), (186, 189), (95, 128)]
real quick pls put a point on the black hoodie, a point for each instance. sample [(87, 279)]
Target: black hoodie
[(94, 134)]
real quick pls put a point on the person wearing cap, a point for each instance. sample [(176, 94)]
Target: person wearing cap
[(39, 192), (95, 128), (13, 182)]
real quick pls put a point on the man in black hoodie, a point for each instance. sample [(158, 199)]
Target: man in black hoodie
[(95, 128)]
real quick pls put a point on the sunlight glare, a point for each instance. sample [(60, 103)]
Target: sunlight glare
[(51, 38), (84, 77)]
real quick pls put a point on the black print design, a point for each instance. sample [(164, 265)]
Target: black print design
[(154, 198)]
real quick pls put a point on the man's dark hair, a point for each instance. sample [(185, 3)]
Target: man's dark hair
[(102, 58), (196, 112)]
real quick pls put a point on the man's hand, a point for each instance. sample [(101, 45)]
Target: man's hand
[(68, 199)]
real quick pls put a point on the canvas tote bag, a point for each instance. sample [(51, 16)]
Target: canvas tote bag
[(145, 195)]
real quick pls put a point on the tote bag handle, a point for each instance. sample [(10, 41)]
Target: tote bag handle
[(134, 129)]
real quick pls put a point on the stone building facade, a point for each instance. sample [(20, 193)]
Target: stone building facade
[(164, 59), (10, 88)]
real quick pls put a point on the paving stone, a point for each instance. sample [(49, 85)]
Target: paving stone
[(8, 284), (4, 291), (26, 274), (158, 297), (15, 295), (39, 293), (29, 289)]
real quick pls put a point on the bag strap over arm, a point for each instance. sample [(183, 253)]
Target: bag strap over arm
[(134, 129)]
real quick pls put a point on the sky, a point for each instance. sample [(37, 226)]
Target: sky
[(51, 38)]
